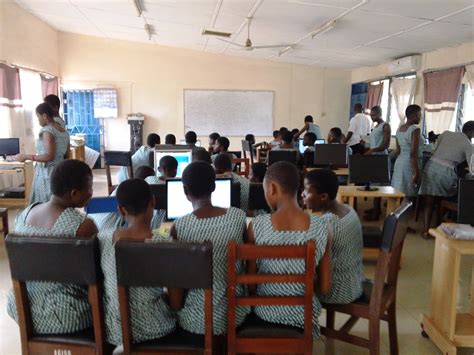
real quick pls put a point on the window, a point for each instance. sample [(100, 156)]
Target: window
[(464, 108)]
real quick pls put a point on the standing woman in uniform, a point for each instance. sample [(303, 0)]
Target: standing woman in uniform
[(52, 148), (406, 172)]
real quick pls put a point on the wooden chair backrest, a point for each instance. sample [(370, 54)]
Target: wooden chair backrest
[(248, 151), (116, 158), (248, 252), (238, 163)]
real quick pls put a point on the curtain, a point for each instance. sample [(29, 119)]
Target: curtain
[(49, 85), (374, 96), (10, 99), (441, 96), (402, 91), (469, 77)]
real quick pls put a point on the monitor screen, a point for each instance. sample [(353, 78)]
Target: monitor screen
[(177, 205), (301, 146), (9, 146), (182, 156), (183, 142), (330, 154), (366, 169), (320, 141)]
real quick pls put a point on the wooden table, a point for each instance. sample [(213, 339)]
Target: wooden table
[(14, 168), (349, 193), (446, 328), (338, 172)]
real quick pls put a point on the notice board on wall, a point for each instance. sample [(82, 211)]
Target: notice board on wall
[(230, 112)]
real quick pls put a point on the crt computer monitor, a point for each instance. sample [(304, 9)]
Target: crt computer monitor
[(466, 201), (177, 205), (333, 155), (9, 146), (183, 156), (367, 169)]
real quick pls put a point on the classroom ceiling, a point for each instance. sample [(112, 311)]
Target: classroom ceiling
[(366, 32)]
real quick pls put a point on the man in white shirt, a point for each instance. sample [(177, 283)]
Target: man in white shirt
[(359, 127)]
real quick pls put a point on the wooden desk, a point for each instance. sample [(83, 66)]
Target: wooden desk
[(13, 168), (446, 328), (338, 172), (394, 197)]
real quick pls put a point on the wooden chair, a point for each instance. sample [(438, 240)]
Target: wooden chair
[(154, 265), (64, 260), (378, 301), (238, 163), (4, 217), (116, 158), (256, 335), (248, 151)]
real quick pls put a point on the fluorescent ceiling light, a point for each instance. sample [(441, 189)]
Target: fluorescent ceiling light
[(328, 26), (138, 7), (212, 32)]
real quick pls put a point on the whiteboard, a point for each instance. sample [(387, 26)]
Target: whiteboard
[(228, 112)]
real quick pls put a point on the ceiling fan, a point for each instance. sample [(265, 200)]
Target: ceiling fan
[(248, 43)]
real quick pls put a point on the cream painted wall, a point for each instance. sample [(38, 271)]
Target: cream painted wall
[(151, 79), (440, 58), (27, 41)]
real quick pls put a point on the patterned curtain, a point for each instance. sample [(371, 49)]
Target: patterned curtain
[(374, 96), (441, 96), (49, 85)]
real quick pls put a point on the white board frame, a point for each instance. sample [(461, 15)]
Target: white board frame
[(245, 129)]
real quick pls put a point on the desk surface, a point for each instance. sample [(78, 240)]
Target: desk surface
[(338, 172), (383, 191), (461, 246)]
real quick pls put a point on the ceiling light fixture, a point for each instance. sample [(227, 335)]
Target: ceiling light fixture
[(149, 29), (328, 26), (138, 7), (212, 32)]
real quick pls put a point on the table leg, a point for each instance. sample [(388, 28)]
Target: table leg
[(392, 204), (472, 291)]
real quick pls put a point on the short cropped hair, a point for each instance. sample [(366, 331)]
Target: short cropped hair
[(53, 100), (134, 195), (168, 162), (201, 155), (285, 175), (250, 137), (376, 109), (468, 127), (412, 109), (214, 136), (259, 170), (311, 136), (223, 162), (224, 142), (199, 179), (336, 131), (45, 109), (170, 139), (143, 172), (190, 137), (276, 134), (325, 181), (358, 107), (287, 137), (308, 118), (69, 175), (152, 140)]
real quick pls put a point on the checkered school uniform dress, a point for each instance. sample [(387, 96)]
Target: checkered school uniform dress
[(402, 171), (55, 308), (439, 178), (265, 234), (41, 191), (151, 316), (244, 190), (218, 230), (346, 259), (376, 138)]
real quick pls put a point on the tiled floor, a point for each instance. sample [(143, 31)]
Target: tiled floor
[(414, 293)]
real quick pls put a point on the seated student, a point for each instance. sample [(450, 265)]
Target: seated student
[(212, 142), (432, 138), (168, 168), (150, 315), (143, 173), (223, 166), (222, 146), (170, 139), (191, 138), (310, 127), (288, 144), (335, 136), (309, 139), (288, 225), (58, 308), (276, 139), (257, 172), (55, 104), (251, 139), (440, 178), (207, 223), (319, 195), (201, 155), (141, 157)]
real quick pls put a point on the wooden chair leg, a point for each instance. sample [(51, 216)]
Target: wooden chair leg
[(330, 319), (374, 336), (4, 215), (392, 329)]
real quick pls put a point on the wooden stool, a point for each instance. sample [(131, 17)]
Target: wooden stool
[(4, 217), (445, 327)]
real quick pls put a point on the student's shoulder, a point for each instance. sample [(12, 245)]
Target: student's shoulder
[(237, 213)]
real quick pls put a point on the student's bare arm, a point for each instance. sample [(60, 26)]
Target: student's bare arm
[(87, 229), (349, 135), (415, 141)]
